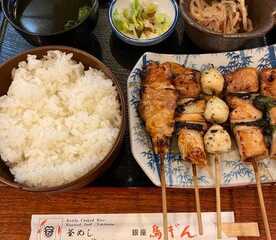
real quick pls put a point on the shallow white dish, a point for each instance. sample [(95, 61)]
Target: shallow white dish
[(179, 173), (169, 7)]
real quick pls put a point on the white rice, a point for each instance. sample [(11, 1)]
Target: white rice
[(57, 121)]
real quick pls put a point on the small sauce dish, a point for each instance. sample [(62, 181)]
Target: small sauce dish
[(168, 7)]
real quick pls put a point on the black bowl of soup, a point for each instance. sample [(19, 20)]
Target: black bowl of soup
[(44, 22)]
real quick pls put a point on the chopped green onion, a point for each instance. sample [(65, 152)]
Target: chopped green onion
[(141, 20)]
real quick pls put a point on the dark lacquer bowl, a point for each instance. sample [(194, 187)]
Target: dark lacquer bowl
[(261, 12), (62, 36), (88, 61)]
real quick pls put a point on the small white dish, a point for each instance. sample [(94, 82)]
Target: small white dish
[(170, 7)]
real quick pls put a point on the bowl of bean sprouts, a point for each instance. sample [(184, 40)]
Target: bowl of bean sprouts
[(224, 25)]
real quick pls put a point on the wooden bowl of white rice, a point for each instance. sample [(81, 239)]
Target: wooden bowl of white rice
[(62, 119)]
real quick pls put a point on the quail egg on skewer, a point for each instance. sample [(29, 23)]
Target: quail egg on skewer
[(212, 82), (217, 140), (216, 110)]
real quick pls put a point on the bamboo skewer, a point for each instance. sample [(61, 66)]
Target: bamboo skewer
[(218, 198), (197, 198), (261, 199), (164, 197)]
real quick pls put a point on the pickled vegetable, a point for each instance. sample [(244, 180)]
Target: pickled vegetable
[(141, 21)]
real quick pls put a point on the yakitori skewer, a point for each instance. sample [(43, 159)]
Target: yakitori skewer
[(217, 141), (252, 148), (190, 124), (190, 129), (244, 119), (157, 109)]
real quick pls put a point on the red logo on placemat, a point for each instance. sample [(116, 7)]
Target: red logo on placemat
[(183, 231), (49, 229)]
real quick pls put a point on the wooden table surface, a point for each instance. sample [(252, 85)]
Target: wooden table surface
[(17, 207)]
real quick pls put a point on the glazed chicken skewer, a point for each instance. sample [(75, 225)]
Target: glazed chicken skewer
[(157, 109), (190, 124), (250, 138)]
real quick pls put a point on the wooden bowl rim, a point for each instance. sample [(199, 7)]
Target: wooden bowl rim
[(85, 179)]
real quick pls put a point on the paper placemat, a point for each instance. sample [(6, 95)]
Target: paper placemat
[(124, 226)]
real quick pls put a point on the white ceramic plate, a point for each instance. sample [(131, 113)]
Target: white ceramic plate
[(178, 172)]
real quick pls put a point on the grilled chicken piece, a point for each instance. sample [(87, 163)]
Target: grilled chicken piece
[(193, 118), (191, 106), (272, 116), (186, 81), (273, 146), (242, 80), (268, 82), (177, 69), (191, 112), (190, 143), (251, 143), (243, 110), (158, 76), (157, 106), (190, 122)]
